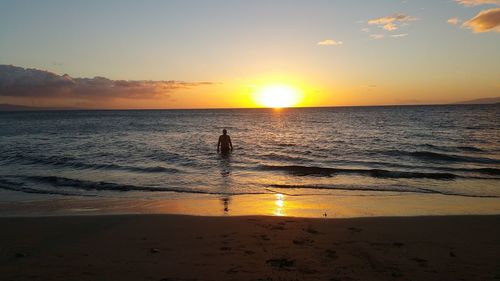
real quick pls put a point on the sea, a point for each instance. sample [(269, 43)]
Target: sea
[(449, 150)]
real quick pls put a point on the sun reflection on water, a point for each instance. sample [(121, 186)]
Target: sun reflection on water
[(280, 204)]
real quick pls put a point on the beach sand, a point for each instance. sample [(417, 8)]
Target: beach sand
[(175, 247)]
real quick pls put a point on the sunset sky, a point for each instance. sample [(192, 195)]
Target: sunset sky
[(204, 54)]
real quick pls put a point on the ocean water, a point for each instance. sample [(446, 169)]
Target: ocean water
[(447, 150)]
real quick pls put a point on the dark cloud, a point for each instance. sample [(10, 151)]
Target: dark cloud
[(25, 82)]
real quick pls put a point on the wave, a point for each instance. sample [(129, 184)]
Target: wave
[(69, 162), (453, 148), (470, 148), (484, 171), (434, 156), (286, 144), (441, 157), (283, 157), (102, 185), (54, 181), (19, 187), (379, 189), (488, 171), (376, 173)]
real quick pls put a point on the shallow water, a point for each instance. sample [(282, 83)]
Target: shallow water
[(448, 150)]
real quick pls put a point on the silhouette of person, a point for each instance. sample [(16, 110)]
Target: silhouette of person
[(225, 172), (224, 146)]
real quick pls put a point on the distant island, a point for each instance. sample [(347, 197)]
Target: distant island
[(481, 101), (15, 107)]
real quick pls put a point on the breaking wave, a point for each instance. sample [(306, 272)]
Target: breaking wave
[(375, 173)]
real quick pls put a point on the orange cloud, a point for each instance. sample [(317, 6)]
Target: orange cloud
[(391, 19), (390, 27), (471, 3), (330, 42), (389, 22), (485, 21), (453, 21)]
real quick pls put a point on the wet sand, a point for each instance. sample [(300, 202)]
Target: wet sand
[(338, 204), (173, 247)]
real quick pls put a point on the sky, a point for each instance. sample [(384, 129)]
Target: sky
[(222, 53)]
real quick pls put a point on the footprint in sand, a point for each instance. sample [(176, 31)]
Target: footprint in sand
[(264, 237), (331, 254), (311, 230), (302, 241), (281, 262), (421, 262), (355, 229)]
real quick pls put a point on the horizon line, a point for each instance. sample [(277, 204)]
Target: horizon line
[(50, 108)]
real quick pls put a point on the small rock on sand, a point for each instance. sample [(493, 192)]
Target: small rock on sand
[(281, 263)]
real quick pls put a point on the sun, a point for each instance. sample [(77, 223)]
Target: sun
[(278, 96)]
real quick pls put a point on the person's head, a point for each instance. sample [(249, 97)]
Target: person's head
[(224, 132)]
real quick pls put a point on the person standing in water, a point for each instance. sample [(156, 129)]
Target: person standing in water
[(224, 145)]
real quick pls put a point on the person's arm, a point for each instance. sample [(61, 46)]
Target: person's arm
[(230, 144), (218, 145)]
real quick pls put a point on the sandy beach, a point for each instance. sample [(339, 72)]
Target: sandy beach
[(174, 247)]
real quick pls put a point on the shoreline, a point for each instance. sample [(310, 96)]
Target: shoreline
[(339, 205), (183, 247)]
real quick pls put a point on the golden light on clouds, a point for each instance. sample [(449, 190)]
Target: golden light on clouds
[(392, 22), (453, 21), (277, 96), (471, 3), (330, 42), (487, 20)]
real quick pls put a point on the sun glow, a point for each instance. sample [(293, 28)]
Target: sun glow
[(277, 96)]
